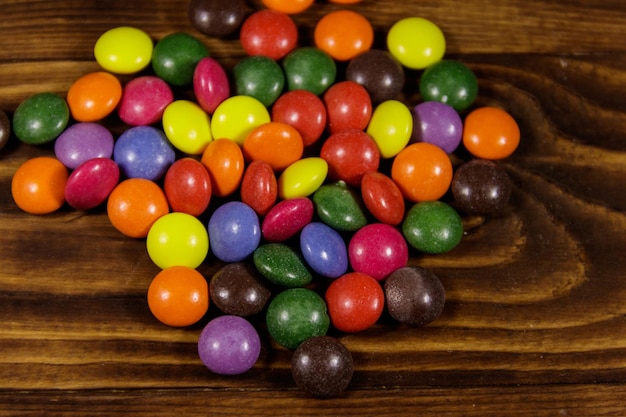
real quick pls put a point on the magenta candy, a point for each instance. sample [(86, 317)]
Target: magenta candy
[(82, 142), (286, 219), (90, 184), (378, 249), (143, 100), (437, 123), (210, 84)]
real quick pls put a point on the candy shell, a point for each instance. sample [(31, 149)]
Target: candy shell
[(416, 42), (143, 100), (187, 126), (281, 265), (223, 159), (40, 118), (187, 186), (177, 239), (237, 116), (91, 183), (235, 231), (302, 178), (324, 250), (210, 84), (377, 250), (287, 218), (38, 185), (94, 96), (238, 289), (123, 50), (391, 126), (339, 206), (143, 152), (259, 188), (82, 142), (175, 57)]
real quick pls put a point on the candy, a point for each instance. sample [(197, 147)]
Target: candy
[(355, 302), (210, 84), (259, 187), (303, 110), (287, 218), (229, 345), (322, 367), (432, 227), (309, 68), (216, 18), (235, 231), (223, 159), (236, 116), (450, 82), (481, 187), (123, 50), (134, 205), (391, 126), (5, 129), (302, 178), (377, 250), (187, 186), (348, 106), (416, 42), (343, 34), (187, 126), (178, 296), (350, 154), (236, 289), (437, 123), (414, 295), (175, 57), (490, 133), (143, 100), (262, 143), (177, 239), (324, 250), (82, 142), (143, 152), (288, 6), (259, 77), (295, 315), (378, 71), (281, 265), (94, 96), (339, 207), (38, 185), (382, 198), (40, 118), (269, 33), (90, 184)]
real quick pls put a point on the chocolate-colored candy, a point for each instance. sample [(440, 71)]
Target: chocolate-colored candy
[(236, 289), (322, 366), (216, 18), (5, 129), (380, 74), (481, 187), (414, 295)]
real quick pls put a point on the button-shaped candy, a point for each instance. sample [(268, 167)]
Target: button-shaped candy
[(339, 206), (282, 265), (324, 250), (124, 50), (187, 126), (40, 118)]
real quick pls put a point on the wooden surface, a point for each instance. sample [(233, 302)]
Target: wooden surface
[(535, 323)]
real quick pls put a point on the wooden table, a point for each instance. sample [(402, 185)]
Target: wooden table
[(535, 321)]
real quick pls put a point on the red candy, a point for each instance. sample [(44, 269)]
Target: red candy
[(143, 100), (348, 105), (270, 33), (382, 198), (303, 110), (187, 186), (350, 154), (210, 84), (355, 302), (259, 188), (91, 182), (378, 249), (287, 218)]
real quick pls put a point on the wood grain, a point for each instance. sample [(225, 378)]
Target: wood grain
[(535, 323)]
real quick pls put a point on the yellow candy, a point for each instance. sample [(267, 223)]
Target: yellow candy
[(236, 116), (187, 126), (416, 42), (124, 50), (302, 178), (391, 126)]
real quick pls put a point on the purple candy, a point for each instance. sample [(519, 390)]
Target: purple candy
[(90, 184), (229, 345), (437, 123), (324, 250), (143, 100), (144, 152), (234, 231), (82, 142)]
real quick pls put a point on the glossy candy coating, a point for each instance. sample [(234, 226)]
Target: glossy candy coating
[(432, 227), (94, 96), (377, 250), (437, 123), (178, 296), (304, 111), (481, 187), (38, 185), (339, 206), (288, 6), (391, 126), (223, 159), (143, 100), (5, 129), (451, 82), (90, 184), (237, 289), (259, 77), (235, 231), (40, 118), (177, 239), (216, 18), (348, 106), (236, 116), (490, 133), (143, 152), (187, 126), (229, 345), (350, 154), (379, 72), (416, 42), (414, 295), (187, 186), (81, 142), (276, 143), (175, 57), (302, 178), (309, 68), (287, 218), (210, 84), (134, 205), (259, 187), (281, 265), (295, 315), (343, 34), (355, 302), (322, 367), (124, 50), (269, 33), (324, 250), (382, 198), (422, 171)]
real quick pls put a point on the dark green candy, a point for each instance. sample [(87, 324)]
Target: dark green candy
[(281, 265), (309, 68), (295, 315), (260, 77), (40, 118), (175, 57), (432, 227), (339, 207), (450, 82)]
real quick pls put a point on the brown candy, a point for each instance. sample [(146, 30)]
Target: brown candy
[(481, 187), (380, 74), (5, 129), (216, 18), (236, 289)]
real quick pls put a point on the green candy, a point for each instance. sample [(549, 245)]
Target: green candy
[(295, 315), (175, 57), (281, 265), (339, 207), (309, 68), (260, 77), (450, 82), (40, 118), (432, 227)]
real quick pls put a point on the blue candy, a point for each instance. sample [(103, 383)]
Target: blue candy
[(143, 152), (324, 250), (234, 231)]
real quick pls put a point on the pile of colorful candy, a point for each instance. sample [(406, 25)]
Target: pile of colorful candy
[(302, 174)]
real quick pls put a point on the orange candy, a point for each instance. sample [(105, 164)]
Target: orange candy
[(178, 296), (422, 171), (224, 160), (276, 143), (94, 96), (134, 205), (38, 186), (344, 34), (288, 6), (490, 133)]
